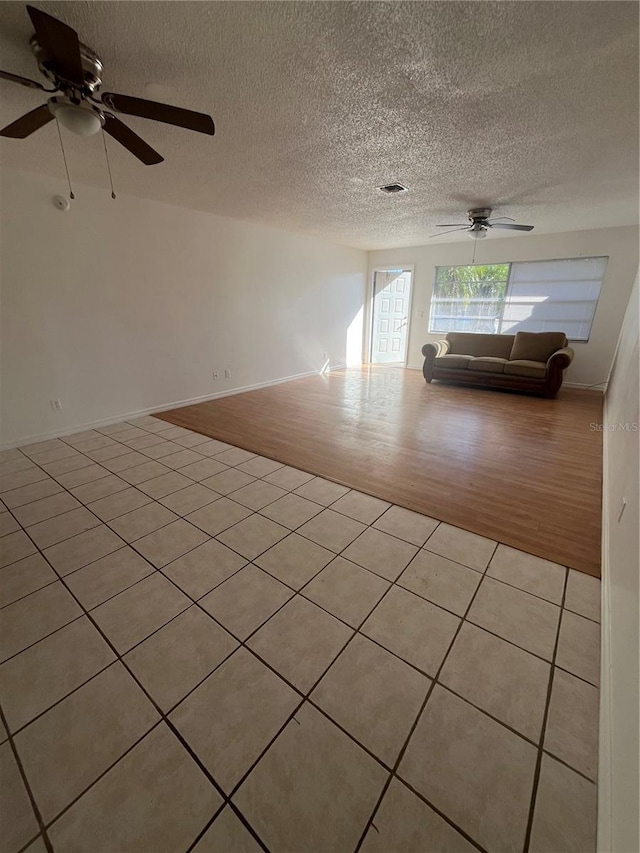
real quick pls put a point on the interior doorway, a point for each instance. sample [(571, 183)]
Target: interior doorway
[(390, 316)]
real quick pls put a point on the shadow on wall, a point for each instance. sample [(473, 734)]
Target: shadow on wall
[(355, 339), (326, 349)]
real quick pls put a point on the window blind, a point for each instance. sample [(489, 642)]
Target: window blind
[(553, 296)]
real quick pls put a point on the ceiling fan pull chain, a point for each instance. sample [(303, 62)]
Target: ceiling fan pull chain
[(106, 154), (66, 168)]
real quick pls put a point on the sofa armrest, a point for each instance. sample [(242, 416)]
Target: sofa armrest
[(430, 353), (560, 359), (556, 365), (438, 348)]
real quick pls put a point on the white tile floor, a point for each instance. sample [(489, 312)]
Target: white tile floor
[(204, 650)]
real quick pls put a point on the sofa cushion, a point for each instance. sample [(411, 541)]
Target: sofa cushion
[(466, 343), (536, 346), (455, 361), (526, 367), (488, 364)]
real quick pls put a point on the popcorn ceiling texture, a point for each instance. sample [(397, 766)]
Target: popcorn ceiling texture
[(530, 107)]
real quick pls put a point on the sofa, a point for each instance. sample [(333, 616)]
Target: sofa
[(527, 361)]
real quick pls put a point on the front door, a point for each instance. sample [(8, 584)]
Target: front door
[(391, 305)]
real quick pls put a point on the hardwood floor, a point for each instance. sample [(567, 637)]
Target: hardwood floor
[(521, 470)]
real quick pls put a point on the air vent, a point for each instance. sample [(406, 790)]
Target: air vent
[(393, 188)]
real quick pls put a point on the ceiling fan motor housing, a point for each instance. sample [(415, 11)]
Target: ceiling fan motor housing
[(478, 217), (91, 66), (479, 214)]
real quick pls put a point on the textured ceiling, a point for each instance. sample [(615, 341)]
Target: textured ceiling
[(530, 107)]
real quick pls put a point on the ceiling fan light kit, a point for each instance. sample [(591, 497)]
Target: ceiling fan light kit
[(75, 72), (81, 120), (477, 232)]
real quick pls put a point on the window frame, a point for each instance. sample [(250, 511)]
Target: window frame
[(510, 265)]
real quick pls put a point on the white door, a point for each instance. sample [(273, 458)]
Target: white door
[(391, 305)]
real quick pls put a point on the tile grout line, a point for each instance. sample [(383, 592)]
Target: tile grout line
[(395, 582), (291, 530), (242, 643), (261, 478), (569, 767), (291, 492), (311, 701), (394, 771), (543, 733), (46, 636), (193, 602), (300, 592), (254, 512), (303, 698), (153, 500), (306, 696), (41, 714), (38, 816), (463, 619), (163, 718), (434, 680)]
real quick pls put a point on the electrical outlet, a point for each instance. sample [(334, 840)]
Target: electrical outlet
[(56, 405), (227, 373), (215, 374)]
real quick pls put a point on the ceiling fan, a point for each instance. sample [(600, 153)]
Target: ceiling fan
[(75, 72), (480, 223)]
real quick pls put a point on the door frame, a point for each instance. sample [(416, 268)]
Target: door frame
[(368, 342)]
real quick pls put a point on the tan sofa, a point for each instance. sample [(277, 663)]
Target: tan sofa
[(527, 361)]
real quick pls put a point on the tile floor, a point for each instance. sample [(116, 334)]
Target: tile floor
[(204, 650)]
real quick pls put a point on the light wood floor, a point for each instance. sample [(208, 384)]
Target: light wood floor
[(521, 470)]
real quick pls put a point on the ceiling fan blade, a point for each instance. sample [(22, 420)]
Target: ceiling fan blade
[(453, 225), (131, 141), (159, 112), (442, 233), (60, 45), (498, 218), (510, 226), (28, 124), (24, 81)]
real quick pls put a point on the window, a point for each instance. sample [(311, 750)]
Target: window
[(531, 296), (469, 299)]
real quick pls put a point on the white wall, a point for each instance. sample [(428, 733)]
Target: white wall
[(593, 359), (620, 705), (120, 306)]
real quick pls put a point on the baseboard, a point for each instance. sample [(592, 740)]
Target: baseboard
[(605, 751), (44, 436), (599, 386)]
